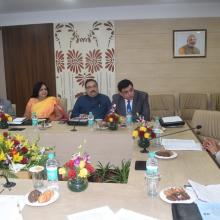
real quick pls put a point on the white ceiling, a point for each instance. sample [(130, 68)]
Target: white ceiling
[(18, 6)]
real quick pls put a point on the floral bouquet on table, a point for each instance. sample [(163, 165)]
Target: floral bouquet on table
[(140, 120), (77, 170), (17, 153), (145, 135), (112, 119), (4, 118)]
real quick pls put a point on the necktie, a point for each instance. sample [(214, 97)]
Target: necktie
[(128, 106)]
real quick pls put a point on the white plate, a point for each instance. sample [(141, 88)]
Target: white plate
[(53, 199), (174, 155), (190, 193)]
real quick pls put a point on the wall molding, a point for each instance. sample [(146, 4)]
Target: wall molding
[(190, 10)]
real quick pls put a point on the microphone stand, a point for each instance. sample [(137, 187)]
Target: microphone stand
[(8, 184), (74, 128), (189, 129)]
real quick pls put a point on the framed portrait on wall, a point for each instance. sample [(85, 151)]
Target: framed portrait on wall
[(189, 43)]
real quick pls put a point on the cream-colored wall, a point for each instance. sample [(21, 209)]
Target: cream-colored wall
[(2, 71), (144, 54)]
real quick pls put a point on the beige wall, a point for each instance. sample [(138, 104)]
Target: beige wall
[(2, 71), (144, 54)]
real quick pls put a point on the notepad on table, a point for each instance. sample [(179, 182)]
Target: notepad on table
[(171, 121), (180, 144), (17, 121), (102, 213), (125, 214), (105, 213)]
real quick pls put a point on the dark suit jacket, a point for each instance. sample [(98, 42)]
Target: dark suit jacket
[(140, 105), (7, 107)]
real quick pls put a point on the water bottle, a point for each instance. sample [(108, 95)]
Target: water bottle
[(129, 119), (90, 121), (152, 175), (52, 172), (34, 121), (152, 165), (157, 131)]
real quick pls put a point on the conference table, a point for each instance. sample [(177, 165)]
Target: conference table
[(114, 146)]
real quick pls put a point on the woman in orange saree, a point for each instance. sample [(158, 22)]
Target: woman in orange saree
[(43, 105)]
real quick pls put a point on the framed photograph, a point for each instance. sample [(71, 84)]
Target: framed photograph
[(189, 43)]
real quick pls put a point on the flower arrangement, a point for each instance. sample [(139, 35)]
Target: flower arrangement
[(78, 167), (113, 119), (5, 117), (145, 134), (16, 152), (140, 120)]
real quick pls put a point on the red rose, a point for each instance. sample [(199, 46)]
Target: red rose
[(5, 134), (90, 168), (141, 134), (72, 174), (4, 118), (153, 135), (70, 164), (24, 160), (24, 150), (16, 142)]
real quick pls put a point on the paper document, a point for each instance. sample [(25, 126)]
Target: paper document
[(180, 144), (103, 213), (209, 210), (209, 193), (11, 207), (17, 121), (125, 214), (171, 119)]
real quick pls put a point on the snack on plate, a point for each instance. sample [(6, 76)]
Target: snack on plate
[(45, 196), (176, 194), (34, 195), (164, 153)]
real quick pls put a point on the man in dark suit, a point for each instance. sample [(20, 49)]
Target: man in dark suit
[(95, 102), (129, 99), (5, 106)]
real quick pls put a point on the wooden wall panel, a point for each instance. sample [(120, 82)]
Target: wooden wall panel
[(144, 54), (28, 57), (2, 70)]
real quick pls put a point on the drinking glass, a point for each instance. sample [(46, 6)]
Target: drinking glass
[(37, 173)]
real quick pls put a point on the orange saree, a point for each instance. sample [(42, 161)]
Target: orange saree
[(48, 108)]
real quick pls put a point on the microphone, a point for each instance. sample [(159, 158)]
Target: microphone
[(189, 129)]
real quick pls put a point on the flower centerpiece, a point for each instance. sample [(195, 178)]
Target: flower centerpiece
[(4, 118), (112, 119), (17, 153), (77, 170), (145, 134)]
